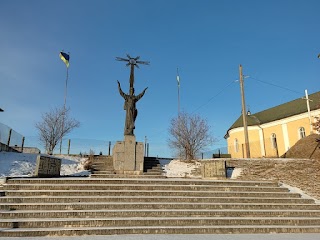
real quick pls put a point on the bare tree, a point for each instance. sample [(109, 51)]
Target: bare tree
[(189, 134), (316, 124), (55, 125)]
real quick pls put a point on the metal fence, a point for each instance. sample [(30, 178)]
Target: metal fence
[(10, 140), (85, 146)]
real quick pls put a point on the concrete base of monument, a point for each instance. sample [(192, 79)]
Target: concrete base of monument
[(128, 156)]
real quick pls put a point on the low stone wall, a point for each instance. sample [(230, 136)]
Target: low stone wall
[(6, 148), (33, 150)]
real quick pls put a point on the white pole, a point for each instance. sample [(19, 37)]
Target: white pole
[(309, 114), (178, 80)]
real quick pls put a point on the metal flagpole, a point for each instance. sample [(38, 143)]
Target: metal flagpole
[(178, 80), (64, 105)]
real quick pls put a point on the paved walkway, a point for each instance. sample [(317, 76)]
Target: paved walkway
[(309, 236)]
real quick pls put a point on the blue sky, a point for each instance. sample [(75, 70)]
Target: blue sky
[(276, 41)]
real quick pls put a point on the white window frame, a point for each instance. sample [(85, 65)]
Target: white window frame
[(273, 140), (236, 145), (301, 132)]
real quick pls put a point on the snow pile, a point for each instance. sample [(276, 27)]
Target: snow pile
[(23, 164), (178, 168)]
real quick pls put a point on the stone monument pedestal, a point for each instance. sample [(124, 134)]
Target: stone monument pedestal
[(128, 156)]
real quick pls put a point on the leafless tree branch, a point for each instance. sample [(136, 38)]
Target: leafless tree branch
[(189, 134), (55, 125)]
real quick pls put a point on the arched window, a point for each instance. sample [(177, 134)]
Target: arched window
[(236, 145), (274, 140), (302, 132)]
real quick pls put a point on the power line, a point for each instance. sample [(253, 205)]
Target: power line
[(233, 81), (272, 84), (215, 95)]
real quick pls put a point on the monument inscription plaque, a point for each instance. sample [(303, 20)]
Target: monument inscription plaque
[(215, 169), (47, 166)]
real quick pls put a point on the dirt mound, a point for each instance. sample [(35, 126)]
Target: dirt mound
[(306, 147), (300, 173)]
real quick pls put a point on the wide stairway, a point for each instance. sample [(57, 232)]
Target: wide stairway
[(103, 168), (100, 206)]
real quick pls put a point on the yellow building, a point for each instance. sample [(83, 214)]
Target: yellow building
[(273, 131)]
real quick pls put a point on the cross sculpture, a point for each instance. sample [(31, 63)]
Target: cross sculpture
[(130, 99)]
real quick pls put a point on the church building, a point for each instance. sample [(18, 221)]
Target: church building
[(273, 131)]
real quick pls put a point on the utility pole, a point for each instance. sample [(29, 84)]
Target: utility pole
[(244, 113)]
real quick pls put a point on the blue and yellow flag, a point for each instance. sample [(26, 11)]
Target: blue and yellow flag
[(65, 58)]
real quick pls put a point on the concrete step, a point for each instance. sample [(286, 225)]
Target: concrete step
[(152, 173), (155, 206), (129, 193), (102, 163), (122, 213), (177, 181), (154, 170), (139, 198), (104, 171), (97, 175), (139, 186), (151, 164), (102, 167), (231, 229), (157, 221), (158, 166), (78, 206)]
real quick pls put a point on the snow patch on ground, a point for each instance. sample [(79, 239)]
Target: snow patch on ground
[(298, 190), (178, 168), (234, 173), (24, 164)]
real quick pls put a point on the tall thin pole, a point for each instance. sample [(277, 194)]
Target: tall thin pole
[(66, 90), (309, 114), (244, 117), (64, 106), (178, 80)]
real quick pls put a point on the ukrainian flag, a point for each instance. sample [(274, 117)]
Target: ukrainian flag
[(65, 58)]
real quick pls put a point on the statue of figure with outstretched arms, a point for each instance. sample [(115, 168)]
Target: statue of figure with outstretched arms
[(130, 99)]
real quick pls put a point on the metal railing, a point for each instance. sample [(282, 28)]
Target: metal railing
[(10, 140)]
